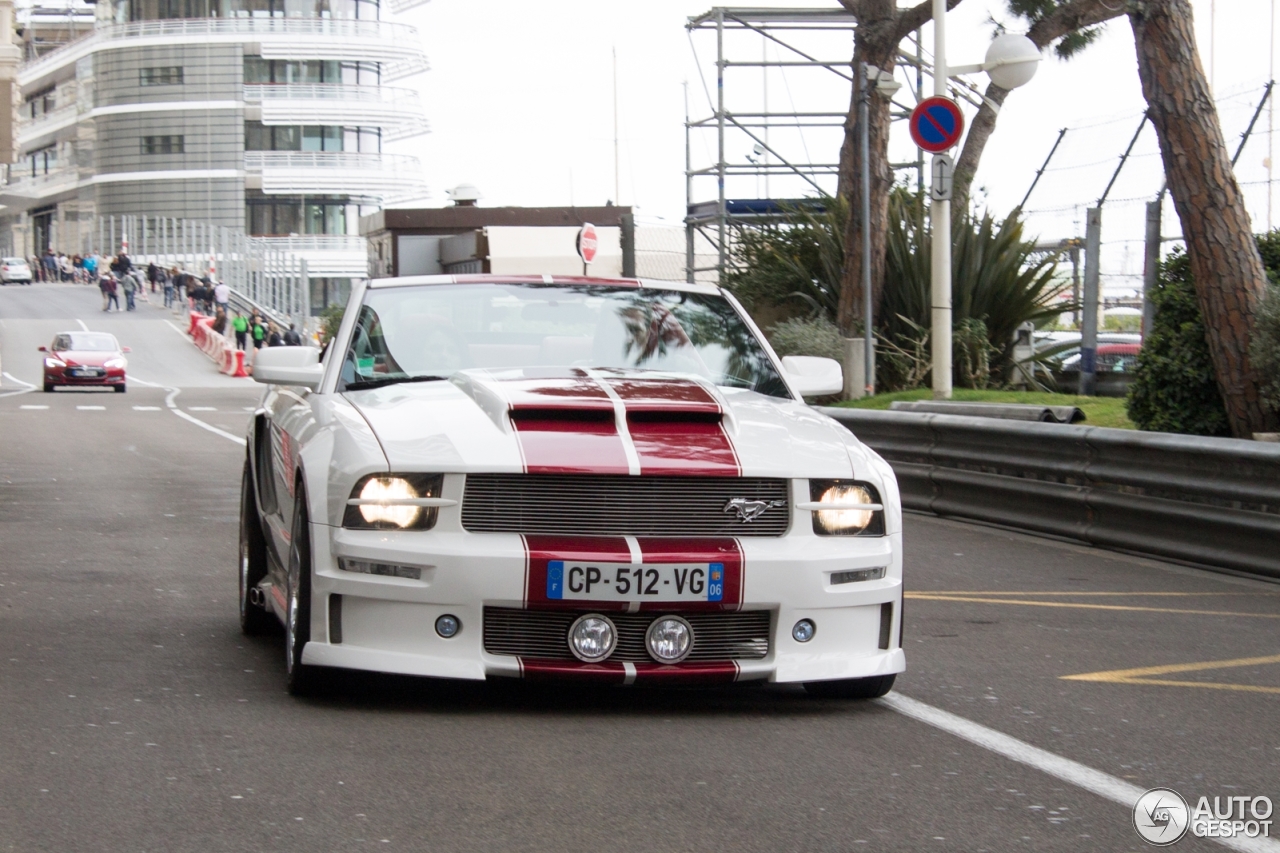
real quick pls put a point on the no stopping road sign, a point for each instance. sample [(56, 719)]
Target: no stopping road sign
[(936, 124)]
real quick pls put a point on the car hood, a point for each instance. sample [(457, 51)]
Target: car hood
[(603, 422), (85, 358)]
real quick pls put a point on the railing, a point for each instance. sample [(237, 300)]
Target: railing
[(29, 186), (257, 161), (400, 37), (256, 92), (32, 125), (317, 243), (1210, 501)]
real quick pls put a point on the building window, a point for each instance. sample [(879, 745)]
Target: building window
[(42, 161), (285, 216), (163, 145), (260, 137), (166, 76), (40, 104), (259, 70)]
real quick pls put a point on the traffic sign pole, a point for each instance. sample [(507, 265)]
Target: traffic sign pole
[(940, 221)]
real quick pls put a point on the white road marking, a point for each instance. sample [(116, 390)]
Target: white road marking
[(83, 327), (92, 408), (1072, 772), (176, 329), (133, 378), (13, 378), (202, 408), (168, 401), (146, 408), (33, 407)]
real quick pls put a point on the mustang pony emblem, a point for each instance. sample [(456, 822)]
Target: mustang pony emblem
[(749, 510)]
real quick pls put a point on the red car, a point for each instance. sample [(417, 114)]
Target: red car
[(84, 358)]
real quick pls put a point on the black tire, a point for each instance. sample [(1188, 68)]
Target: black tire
[(120, 389), (48, 387), (254, 620), (300, 679), (851, 688)]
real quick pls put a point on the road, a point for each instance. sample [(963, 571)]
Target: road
[(138, 718)]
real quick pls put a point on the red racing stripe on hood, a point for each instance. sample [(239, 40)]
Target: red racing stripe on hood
[(677, 427), (542, 550), (564, 424), (725, 551)]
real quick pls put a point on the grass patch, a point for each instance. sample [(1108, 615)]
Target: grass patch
[(1099, 411)]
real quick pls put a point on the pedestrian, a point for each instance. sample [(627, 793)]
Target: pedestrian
[(220, 322), (91, 268), (66, 271), (240, 326), (167, 282), (273, 336), (153, 275), (221, 295), (292, 338), (259, 331), (49, 266), (121, 265), (102, 286), (130, 286), (113, 292)]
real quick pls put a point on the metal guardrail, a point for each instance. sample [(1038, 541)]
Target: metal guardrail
[(1211, 501)]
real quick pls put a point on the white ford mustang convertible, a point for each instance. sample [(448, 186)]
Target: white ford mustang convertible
[(565, 478)]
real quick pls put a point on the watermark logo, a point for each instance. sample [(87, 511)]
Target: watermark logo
[(1161, 816)]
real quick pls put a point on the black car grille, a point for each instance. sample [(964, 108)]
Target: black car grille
[(544, 634), (613, 505)]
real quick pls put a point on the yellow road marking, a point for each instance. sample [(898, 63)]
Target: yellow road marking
[(1142, 675), (925, 596)]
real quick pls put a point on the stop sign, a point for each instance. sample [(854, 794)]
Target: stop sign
[(587, 242)]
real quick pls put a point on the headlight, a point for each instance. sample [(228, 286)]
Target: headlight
[(113, 363), (855, 508), (53, 362), (395, 502)]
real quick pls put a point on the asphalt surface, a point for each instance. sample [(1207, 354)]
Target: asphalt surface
[(135, 716)]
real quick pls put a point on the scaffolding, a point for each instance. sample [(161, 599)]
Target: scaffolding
[(815, 45)]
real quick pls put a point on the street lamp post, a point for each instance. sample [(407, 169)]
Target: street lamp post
[(940, 223)]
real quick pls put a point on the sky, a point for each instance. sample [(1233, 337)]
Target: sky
[(520, 97)]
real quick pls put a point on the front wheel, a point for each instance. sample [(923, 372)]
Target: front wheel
[(48, 387), (120, 389), (851, 688), (300, 679)]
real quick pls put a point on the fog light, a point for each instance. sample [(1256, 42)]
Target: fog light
[(669, 639), (857, 575), (803, 631), (448, 626), (592, 638)]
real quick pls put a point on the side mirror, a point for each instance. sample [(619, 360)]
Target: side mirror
[(126, 349), (297, 366), (42, 349), (814, 377)]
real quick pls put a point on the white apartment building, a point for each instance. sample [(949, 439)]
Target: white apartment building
[(271, 116)]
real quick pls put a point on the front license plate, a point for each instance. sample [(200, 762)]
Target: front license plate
[(571, 580)]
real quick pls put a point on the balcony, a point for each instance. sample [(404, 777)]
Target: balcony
[(387, 177), (32, 130), (397, 111), (397, 46), (20, 190)]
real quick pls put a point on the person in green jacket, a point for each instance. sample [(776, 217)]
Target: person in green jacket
[(240, 326), (259, 331)]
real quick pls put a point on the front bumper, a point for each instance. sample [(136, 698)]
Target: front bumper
[(61, 377), (386, 624)]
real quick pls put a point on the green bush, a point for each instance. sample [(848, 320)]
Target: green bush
[(1264, 350), (330, 321), (798, 336), (1174, 389)]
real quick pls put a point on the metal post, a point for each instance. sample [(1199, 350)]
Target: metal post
[(1151, 264), (940, 221), (1075, 279), (1089, 321), (690, 233), (868, 340), (722, 214), (1040, 171)]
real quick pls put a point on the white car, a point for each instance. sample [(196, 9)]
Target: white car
[(14, 270), (617, 480)]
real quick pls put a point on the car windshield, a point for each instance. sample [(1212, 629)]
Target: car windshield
[(85, 342), (9, 262), (432, 331)]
